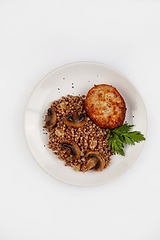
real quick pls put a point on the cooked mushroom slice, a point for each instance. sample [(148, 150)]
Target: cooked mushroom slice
[(95, 161), (51, 118), (72, 147), (75, 120), (92, 162)]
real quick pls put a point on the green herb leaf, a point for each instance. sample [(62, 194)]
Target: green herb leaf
[(117, 137), (136, 136), (123, 129)]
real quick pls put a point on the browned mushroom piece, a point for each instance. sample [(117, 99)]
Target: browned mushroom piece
[(95, 161), (72, 147), (92, 162), (75, 120), (50, 118)]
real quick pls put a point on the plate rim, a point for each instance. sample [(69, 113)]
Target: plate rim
[(32, 93)]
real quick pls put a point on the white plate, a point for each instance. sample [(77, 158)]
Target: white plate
[(78, 78)]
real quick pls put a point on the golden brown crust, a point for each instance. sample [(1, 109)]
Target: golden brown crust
[(105, 106)]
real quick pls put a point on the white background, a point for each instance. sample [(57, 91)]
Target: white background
[(35, 38)]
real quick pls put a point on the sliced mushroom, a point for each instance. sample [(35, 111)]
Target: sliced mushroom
[(75, 120), (51, 118), (92, 162), (95, 161), (72, 147)]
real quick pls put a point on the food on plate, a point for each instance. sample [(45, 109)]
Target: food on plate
[(95, 161), (72, 147), (86, 132), (105, 106), (121, 135), (75, 135), (75, 120), (50, 118)]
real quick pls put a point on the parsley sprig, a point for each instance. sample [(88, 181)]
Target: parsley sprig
[(118, 137)]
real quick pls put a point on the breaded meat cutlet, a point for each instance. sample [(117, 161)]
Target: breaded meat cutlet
[(105, 106)]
